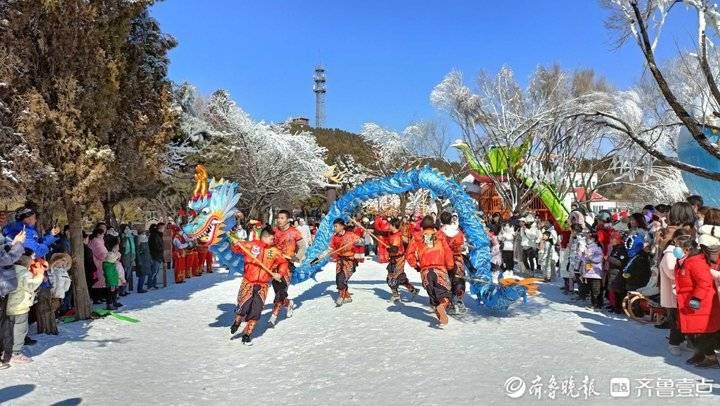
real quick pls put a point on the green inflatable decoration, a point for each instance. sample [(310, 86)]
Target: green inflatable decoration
[(499, 158)]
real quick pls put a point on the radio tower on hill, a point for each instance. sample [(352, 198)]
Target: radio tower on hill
[(320, 91)]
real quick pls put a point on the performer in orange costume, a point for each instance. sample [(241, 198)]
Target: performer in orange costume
[(396, 267), (288, 240), (456, 241), (342, 244), (260, 256), (382, 229), (430, 253)]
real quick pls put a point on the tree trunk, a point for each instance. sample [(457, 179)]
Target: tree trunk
[(403, 203), (110, 218), (81, 294)]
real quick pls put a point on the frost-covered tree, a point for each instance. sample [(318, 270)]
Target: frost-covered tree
[(524, 129), (393, 149), (349, 172), (687, 87), (272, 165)]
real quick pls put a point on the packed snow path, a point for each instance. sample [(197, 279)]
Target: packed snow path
[(366, 352)]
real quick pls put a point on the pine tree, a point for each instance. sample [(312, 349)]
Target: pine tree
[(88, 105)]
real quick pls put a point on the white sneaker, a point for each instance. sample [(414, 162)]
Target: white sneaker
[(347, 300), (339, 301), (290, 309), (272, 321), (675, 350), (20, 359)]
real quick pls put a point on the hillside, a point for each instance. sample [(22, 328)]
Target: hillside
[(339, 142)]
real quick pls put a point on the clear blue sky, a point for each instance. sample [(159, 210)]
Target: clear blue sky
[(383, 57)]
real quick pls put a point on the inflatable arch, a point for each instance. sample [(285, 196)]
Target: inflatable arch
[(492, 295)]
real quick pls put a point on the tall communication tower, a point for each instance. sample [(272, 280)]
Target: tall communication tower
[(320, 91)]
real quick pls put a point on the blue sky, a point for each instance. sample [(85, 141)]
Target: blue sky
[(383, 57)]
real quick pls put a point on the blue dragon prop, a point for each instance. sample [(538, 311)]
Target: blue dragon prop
[(213, 216), (492, 295), (214, 206)]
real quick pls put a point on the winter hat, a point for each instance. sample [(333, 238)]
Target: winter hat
[(23, 213), (61, 257), (709, 235), (635, 243), (603, 215)]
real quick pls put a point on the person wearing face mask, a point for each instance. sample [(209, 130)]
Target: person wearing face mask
[(668, 298), (697, 301)]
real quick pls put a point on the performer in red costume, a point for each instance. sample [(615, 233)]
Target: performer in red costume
[(382, 229), (342, 244), (263, 262), (180, 243), (289, 241), (430, 254), (456, 241), (205, 257), (396, 268)]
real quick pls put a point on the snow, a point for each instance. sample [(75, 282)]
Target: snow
[(366, 352)]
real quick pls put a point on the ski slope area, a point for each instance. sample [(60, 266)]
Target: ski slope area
[(366, 352)]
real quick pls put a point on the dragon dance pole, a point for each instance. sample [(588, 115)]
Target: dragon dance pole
[(249, 254), (383, 243), (329, 253)]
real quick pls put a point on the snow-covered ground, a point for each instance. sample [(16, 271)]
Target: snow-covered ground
[(368, 352)]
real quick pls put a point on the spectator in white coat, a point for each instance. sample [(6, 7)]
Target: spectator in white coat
[(507, 243), (529, 238)]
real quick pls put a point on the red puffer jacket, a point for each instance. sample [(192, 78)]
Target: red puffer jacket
[(693, 280)]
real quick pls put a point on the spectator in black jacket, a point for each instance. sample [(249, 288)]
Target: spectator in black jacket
[(156, 253), (90, 269)]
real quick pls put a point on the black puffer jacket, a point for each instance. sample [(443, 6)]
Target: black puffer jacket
[(156, 246)]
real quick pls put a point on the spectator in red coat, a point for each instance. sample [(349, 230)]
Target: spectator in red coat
[(697, 300)]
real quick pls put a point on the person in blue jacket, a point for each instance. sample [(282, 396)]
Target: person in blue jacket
[(26, 219)]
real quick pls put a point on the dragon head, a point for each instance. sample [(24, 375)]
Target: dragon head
[(213, 207)]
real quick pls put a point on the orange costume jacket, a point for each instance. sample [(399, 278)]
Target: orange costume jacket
[(430, 249), (287, 240), (347, 241), (455, 239), (396, 243), (270, 256)]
